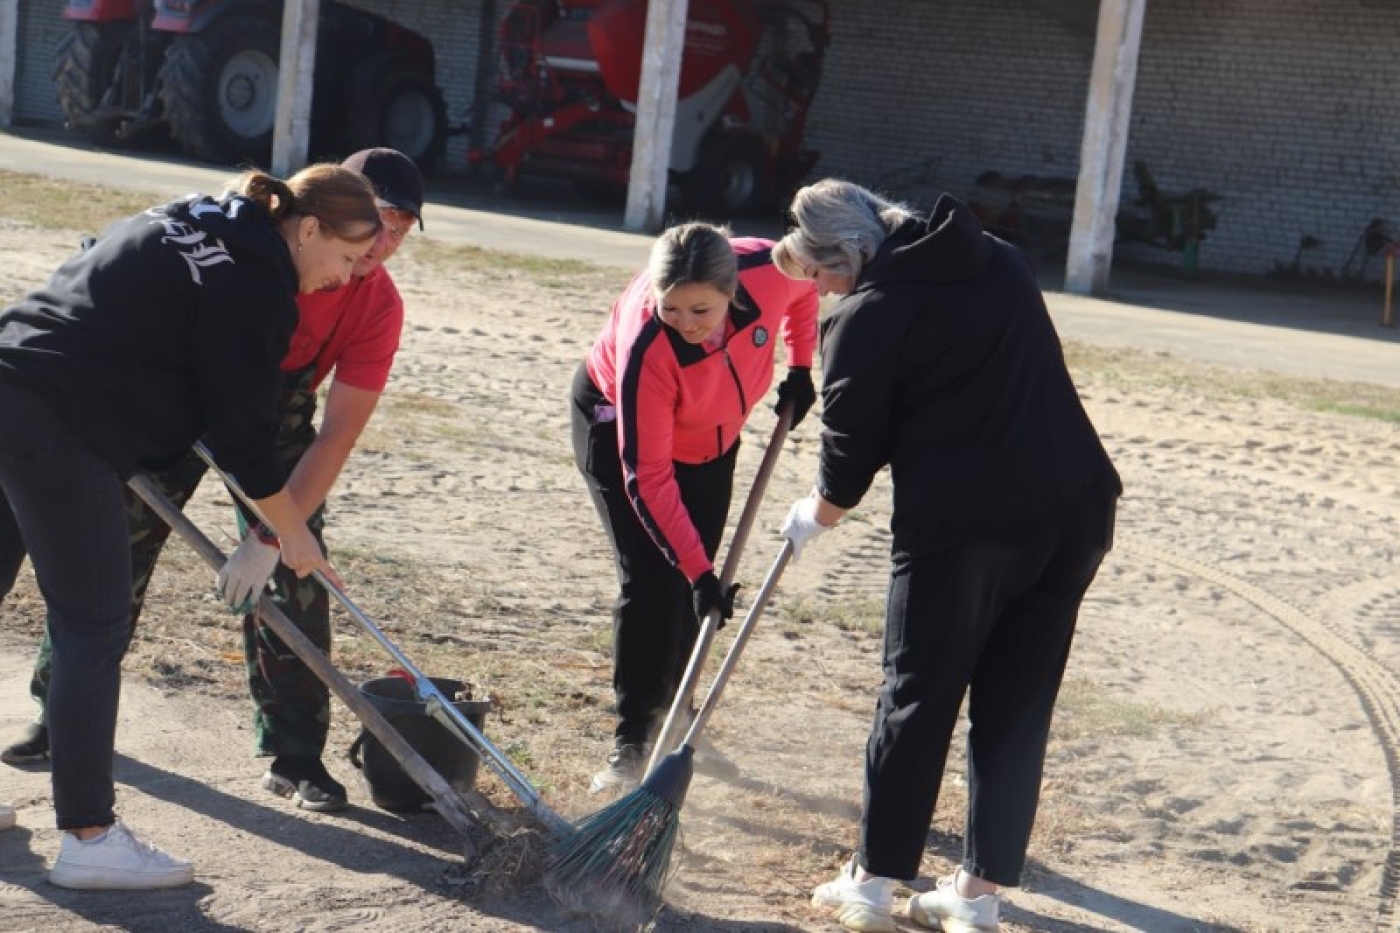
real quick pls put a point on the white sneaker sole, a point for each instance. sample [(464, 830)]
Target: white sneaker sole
[(84, 878), (606, 781), (948, 925), (859, 917)]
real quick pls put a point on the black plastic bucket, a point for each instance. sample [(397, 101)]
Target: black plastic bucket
[(389, 787)]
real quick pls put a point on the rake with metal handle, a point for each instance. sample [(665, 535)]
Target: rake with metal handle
[(710, 624), (436, 705), (448, 801)]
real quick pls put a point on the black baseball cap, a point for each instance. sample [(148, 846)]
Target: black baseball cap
[(396, 179)]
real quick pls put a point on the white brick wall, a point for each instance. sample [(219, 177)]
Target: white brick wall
[(1286, 108), (959, 89)]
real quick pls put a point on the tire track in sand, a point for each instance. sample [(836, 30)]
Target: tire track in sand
[(1375, 686)]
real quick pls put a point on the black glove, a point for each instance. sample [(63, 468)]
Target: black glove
[(709, 597), (797, 388)]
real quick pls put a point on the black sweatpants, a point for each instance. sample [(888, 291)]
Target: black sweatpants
[(654, 623), (995, 617)]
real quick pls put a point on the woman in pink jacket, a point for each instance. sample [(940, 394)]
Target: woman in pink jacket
[(658, 406)]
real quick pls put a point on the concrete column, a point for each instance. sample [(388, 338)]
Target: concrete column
[(291, 133), (656, 115), (9, 59), (1105, 143)]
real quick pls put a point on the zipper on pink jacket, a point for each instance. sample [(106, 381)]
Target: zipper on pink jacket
[(743, 401)]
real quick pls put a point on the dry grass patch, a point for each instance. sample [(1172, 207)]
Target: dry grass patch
[(59, 204), (1132, 367)]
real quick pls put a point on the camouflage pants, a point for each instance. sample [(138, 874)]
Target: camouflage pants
[(291, 707)]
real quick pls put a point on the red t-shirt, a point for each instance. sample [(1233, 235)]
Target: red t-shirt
[(353, 330)]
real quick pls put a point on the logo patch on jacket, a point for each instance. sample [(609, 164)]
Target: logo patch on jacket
[(760, 336)]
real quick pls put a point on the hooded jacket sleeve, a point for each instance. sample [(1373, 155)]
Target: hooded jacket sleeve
[(648, 393), (859, 369), (239, 341)]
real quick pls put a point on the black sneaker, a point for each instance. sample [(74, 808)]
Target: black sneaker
[(624, 770), (304, 779), (32, 746)]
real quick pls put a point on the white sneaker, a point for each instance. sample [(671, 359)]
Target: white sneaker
[(624, 771), (863, 906), (7, 816), (944, 909), (117, 860)]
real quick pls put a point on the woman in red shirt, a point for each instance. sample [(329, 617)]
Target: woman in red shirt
[(658, 406)]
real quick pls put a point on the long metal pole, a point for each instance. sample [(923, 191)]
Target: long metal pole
[(436, 704), (449, 802), (709, 626)]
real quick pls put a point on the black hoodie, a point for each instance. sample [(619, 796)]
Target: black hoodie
[(172, 325), (943, 363)]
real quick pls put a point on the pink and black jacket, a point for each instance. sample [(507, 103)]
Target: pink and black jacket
[(682, 403)]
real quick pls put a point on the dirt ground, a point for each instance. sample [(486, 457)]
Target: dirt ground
[(1223, 753)]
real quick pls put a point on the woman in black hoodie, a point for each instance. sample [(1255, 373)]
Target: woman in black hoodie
[(940, 361), (169, 327)]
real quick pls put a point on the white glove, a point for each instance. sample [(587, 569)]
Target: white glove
[(246, 573), (801, 524)]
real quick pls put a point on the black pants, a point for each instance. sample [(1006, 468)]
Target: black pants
[(993, 619), (65, 506), (654, 623), (291, 706)]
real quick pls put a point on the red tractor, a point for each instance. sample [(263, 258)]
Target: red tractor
[(570, 70), (206, 72)]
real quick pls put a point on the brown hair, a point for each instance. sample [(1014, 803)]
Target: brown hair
[(342, 200), (693, 253)]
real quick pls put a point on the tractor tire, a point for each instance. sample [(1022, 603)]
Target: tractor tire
[(84, 72), (219, 90), (729, 179), (389, 103)]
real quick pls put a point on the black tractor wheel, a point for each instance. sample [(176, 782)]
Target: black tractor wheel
[(219, 90), (389, 103), (730, 178), (85, 79)]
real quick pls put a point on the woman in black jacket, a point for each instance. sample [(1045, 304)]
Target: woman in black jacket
[(170, 326), (940, 361)]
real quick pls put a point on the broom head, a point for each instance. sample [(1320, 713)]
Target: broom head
[(617, 862)]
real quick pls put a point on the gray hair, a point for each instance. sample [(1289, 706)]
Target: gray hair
[(837, 226), (691, 254)]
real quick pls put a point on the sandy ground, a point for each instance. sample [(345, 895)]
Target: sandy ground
[(1222, 758)]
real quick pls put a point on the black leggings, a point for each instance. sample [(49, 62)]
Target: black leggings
[(654, 623)]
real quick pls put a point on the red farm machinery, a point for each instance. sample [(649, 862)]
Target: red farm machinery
[(569, 74), (205, 73)]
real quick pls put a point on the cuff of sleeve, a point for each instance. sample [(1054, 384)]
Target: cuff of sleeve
[(838, 500), (695, 567)]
